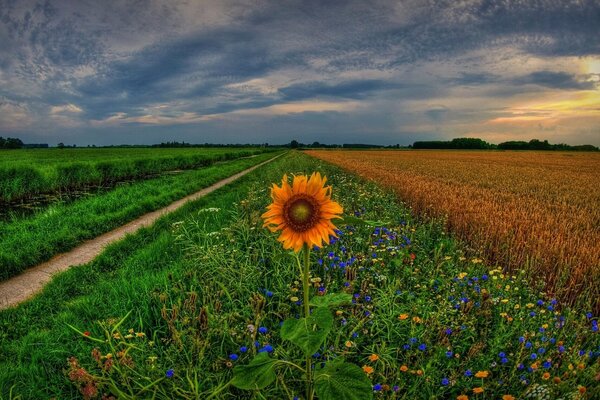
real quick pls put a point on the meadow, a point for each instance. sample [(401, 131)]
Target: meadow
[(27, 173), (534, 210), (180, 309), (28, 240)]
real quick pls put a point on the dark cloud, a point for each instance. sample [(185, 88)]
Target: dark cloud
[(554, 80), (173, 57)]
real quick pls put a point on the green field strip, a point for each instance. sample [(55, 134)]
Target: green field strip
[(29, 241)]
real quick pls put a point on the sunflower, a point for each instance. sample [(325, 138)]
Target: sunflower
[(302, 211)]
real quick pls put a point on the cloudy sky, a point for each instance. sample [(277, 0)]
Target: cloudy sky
[(222, 71)]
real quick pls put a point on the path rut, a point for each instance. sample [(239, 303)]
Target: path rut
[(22, 287)]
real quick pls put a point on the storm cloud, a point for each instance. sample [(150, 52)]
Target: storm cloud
[(270, 71)]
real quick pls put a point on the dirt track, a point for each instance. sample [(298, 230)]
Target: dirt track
[(22, 287)]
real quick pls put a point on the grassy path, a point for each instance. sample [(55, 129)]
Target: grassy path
[(22, 287)]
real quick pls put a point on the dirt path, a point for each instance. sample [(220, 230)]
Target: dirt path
[(21, 287)]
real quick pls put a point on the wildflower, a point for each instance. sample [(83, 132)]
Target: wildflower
[(462, 397), (417, 320), (402, 317), (546, 376), (302, 212), (170, 373), (404, 368), (482, 374), (508, 397), (348, 343), (468, 373), (243, 349), (422, 347), (373, 357), (267, 348), (448, 331), (449, 354), (262, 330), (445, 382), (478, 390), (294, 299), (233, 357), (368, 370), (86, 333), (377, 387)]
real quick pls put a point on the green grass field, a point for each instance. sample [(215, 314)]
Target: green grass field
[(27, 241), (26, 173), (174, 310)]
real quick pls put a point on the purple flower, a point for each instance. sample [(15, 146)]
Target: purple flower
[(468, 373), (445, 382), (449, 354)]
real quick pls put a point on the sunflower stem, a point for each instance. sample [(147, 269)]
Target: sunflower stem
[(305, 286)]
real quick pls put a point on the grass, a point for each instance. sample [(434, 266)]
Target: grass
[(539, 209), (25, 242), (27, 173), (423, 314)]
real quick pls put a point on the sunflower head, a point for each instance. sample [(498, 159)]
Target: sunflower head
[(302, 211)]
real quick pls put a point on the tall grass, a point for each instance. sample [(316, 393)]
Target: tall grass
[(24, 174), (534, 209), (25, 242)]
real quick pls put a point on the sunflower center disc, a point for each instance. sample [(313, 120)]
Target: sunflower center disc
[(301, 213)]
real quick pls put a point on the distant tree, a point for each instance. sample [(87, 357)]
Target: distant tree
[(315, 144), (61, 145), (294, 144), (11, 143)]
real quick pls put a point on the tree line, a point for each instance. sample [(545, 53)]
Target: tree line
[(479, 144)]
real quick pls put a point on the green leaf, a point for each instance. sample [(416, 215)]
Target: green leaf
[(332, 300), (308, 334), (342, 380), (256, 375)]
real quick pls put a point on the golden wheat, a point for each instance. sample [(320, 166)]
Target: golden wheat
[(538, 210)]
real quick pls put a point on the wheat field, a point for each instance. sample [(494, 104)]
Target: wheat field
[(534, 210)]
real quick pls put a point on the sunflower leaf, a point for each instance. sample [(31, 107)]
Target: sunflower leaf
[(308, 333), (256, 375), (342, 380), (332, 300)]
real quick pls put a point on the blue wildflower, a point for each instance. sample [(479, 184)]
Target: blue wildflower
[(468, 373), (243, 349), (263, 330), (445, 382), (377, 387), (449, 354), (170, 373), (422, 347), (233, 357)]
